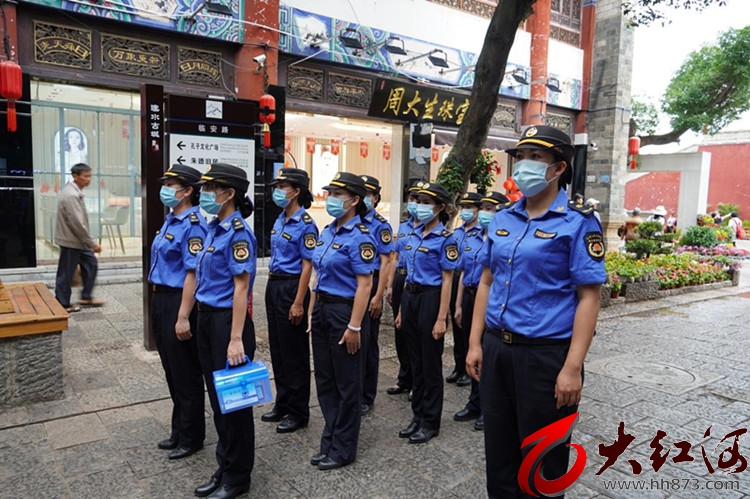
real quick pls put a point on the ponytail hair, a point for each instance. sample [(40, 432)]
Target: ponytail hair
[(305, 198), (443, 216), (361, 208), (243, 203)]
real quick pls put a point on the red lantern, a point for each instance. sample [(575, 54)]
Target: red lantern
[(287, 143), (310, 145), (508, 185), (335, 147), (11, 88), (267, 116), (386, 152), (363, 149), (435, 156), (634, 146)]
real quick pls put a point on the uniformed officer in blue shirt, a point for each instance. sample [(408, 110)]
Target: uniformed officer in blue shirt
[(293, 240), (226, 334), (468, 211), (395, 290), (431, 256), (467, 291), (538, 299), (382, 233), (174, 255), (344, 259)]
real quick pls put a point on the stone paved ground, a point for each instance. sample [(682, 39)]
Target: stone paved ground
[(679, 365)]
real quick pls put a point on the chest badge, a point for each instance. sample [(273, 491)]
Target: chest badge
[(540, 234), (502, 232), (169, 237)]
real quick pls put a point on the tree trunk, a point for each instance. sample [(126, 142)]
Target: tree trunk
[(666, 138), (488, 76)]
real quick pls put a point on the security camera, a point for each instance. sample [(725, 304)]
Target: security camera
[(260, 60), (593, 146)]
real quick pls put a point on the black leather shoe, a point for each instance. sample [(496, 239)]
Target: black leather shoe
[(329, 464), (397, 390), (273, 416), (463, 380), (366, 409), (205, 489), (289, 425), (167, 444), (453, 377), (181, 452), (422, 436), (409, 430), (466, 415), (229, 491), (479, 424), (317, 458)]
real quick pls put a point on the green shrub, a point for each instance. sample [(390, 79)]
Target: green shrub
[(727, 208), (699, 236), (647, 229), (641, 247)]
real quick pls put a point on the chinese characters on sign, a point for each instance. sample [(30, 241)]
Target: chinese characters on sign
[(155, 126), (199, 151), (397, 100)]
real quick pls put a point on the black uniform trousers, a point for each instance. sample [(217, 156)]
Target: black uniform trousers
[(181, 368), (338, 379), (371, 350), (70, 258), (460, 338), (235, 452), (419, 310), (518, 399), (402, 350), (467, 310), (290, 350)]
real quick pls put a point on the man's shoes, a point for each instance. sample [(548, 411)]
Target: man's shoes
[(205, 489), (479, 424), (397, 390), (289, 425), (317, 458), (423, 435), (466, 415), (181, 452), (167, 444), (92, 303), (366, 409), (409, 430), (329, 464), (273, 416), (229, 491), (453, 377), (463, 380)]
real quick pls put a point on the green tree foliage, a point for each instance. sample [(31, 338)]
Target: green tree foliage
[(644, 12), (644, 117)]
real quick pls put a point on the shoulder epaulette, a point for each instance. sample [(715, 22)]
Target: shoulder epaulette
[(363, 228), (237, 224), (446, 233), (307, 218), (583, 209), (505, 206), (194, 219), (380, 217)]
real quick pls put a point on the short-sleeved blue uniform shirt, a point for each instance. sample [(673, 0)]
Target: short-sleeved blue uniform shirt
[(176, 247), (381, 233), (427, 255), (292, 241), (230, 250), (341, 255), (404, 229), (469, 260), (460, 234), (537, 264)]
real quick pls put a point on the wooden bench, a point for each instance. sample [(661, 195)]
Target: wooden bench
[(31, 325)]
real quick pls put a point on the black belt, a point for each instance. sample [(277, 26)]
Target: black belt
[(418, 288), (272, 276), (202, 307), (401, 270), (519, 339), (158, 288), (326, 298), (471, 290)]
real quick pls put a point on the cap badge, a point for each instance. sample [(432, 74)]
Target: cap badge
[(425, 186), (208, 169), (466, 195), (531, 131), (337, 176), (364, 178)]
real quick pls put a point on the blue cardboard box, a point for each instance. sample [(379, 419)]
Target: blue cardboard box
[(242, 386)]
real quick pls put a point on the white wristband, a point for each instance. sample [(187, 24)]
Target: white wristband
[(352, 328)]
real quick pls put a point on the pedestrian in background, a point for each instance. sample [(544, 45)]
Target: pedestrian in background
[(535, 310), (594, 203), (226, 334), (344, 260), (293, 240), (77, 247), (174, 256), (431, 257), (382, 233)]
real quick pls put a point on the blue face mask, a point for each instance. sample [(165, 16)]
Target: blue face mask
[(467, 215), (167, 196), (425, 213), (530, 176), (411, 207), (279, 198), (485, 217), (368, 203), (209, 204), (335, 206)]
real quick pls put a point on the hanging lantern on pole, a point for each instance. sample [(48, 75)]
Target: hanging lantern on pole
[(11, 88), (267, 116), (634, 147)]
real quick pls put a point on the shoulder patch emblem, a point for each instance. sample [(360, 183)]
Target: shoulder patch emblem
[(194, 218), (502, 232), (582, 209), (540, 234), (595, 245), (367, 252), (310, 240), (380, 217), (385, 236), (241, 251), (195, 244), (451, 252), (237, 224), (363, 228)]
